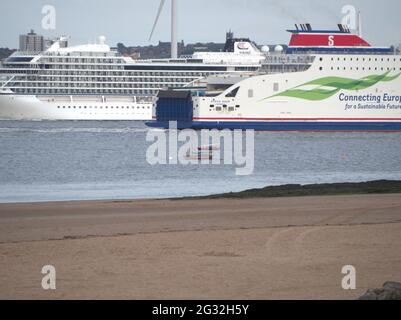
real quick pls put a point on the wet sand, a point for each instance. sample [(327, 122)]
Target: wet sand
[(272, 248)]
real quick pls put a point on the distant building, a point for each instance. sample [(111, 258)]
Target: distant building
[(229, 35), (31, 42)]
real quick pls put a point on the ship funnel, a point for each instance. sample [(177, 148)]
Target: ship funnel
[(174, 43), (306, 27), (344, 28)]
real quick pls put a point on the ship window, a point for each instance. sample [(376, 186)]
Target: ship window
[(321, 68), (237, 106), (232, 93), (275, 86), (250, 93), (231, 108), (212, 106), (218, 108)]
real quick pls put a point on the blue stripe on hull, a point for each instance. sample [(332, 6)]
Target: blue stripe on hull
[(286, 126)]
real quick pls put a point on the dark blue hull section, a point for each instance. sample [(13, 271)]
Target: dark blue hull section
[(284, 126)]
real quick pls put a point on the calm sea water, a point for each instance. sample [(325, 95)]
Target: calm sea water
[(51, 161)]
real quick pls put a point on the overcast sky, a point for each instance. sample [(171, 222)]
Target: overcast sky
[(130, 21)]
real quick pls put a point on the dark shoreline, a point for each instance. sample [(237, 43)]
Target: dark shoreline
[(297, 190), (377, 187)]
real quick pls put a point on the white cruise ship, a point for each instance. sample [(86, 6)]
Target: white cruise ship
[(93, 82)]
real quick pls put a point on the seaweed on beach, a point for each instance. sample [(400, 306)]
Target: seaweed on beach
[(327, 189)]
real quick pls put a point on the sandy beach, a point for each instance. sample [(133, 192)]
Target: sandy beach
[(271, 248)]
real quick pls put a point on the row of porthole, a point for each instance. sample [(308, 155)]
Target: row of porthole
[(364, 59), (95, 107), (363, 68)]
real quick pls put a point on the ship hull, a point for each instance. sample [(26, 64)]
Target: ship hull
[(26, 107), (290, 126)]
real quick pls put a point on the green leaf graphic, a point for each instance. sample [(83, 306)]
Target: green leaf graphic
[(337, 83)]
